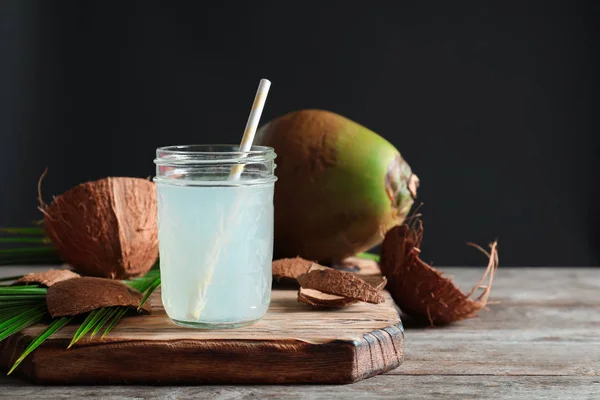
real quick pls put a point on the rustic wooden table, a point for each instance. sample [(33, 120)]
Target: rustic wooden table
[(540, 339)]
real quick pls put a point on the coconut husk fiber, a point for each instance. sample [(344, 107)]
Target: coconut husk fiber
[(340, 283), (105, 228), (82, 295), (420, 290), (47, 278)]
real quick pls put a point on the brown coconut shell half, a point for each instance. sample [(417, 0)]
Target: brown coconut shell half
[(340, 283), (423, 292), (105, 228), (47, 278), (319, 299), (287, 270), (79, 296)]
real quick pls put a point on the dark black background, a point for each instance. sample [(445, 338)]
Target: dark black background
[(494, 104)]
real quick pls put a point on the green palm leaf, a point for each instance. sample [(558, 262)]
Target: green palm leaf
[(91, 320), (23, 323), (149, 292), (116, 319), (13, 310), (23, 306), (111, 312), (7, 303), (53, 327), (23, 286), (19, 317)]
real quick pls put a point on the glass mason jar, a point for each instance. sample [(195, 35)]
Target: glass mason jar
[(215, 233)]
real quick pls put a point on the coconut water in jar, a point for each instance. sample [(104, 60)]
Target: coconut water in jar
[(215, 234)]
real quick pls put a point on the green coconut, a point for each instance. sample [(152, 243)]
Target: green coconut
[(340, 186)]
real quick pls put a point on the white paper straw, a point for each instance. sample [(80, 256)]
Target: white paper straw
[(197, 303), (252, 124)]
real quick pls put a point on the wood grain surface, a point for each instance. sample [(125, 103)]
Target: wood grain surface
[(436, 387), (538, 340), (294, 343)]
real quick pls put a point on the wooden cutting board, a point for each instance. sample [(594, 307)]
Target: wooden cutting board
[(294, 343)]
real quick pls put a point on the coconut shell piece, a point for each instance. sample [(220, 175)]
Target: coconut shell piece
[(287, 270), (423, 292), (47, 278), (79, 296), (105, 228), (346, 284), (319, 299)]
